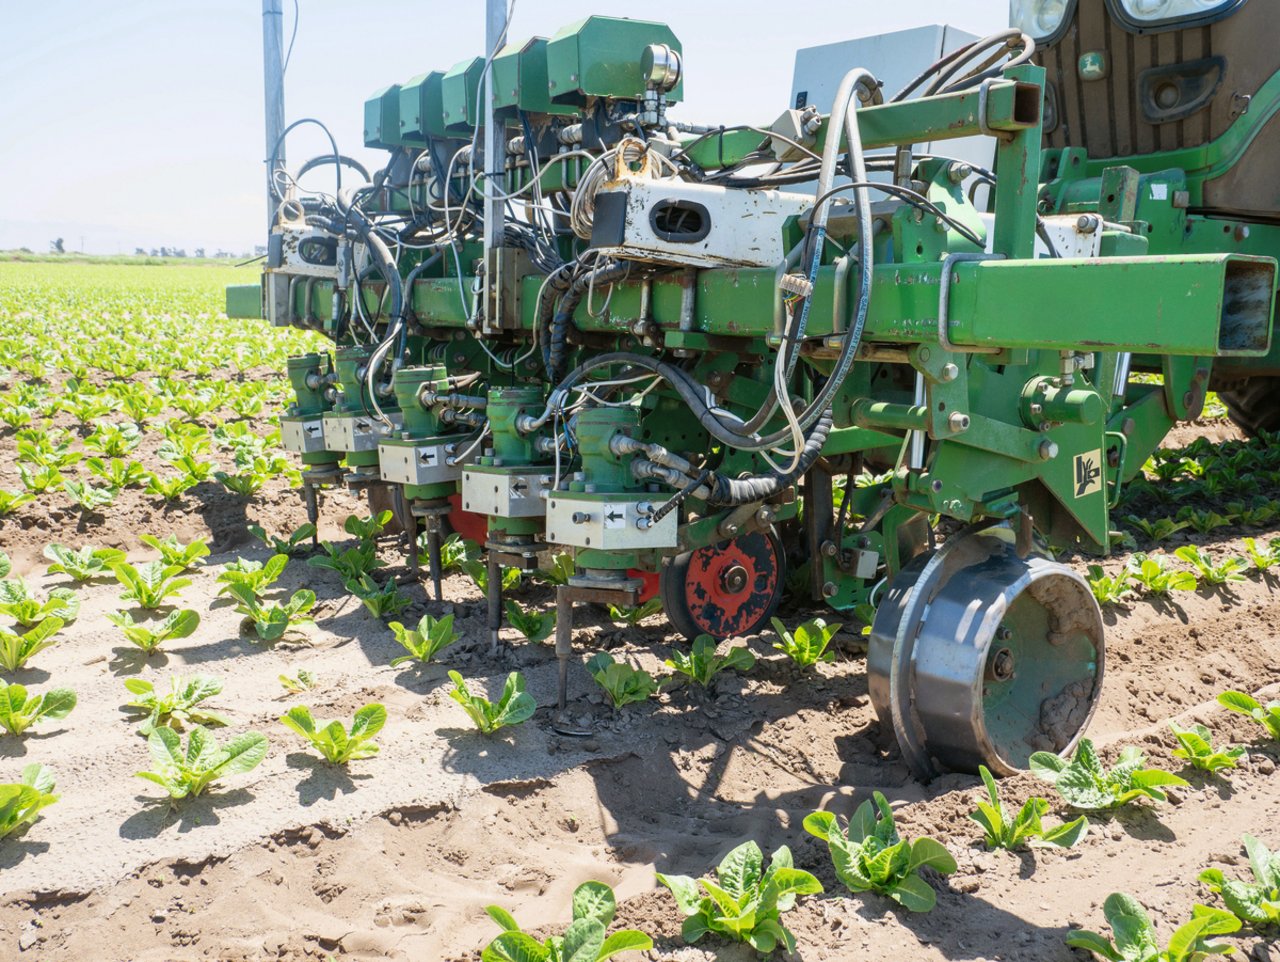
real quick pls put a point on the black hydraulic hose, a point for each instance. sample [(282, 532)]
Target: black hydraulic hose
[(563, 318), (343, 159), (377, 249), (735, 491)]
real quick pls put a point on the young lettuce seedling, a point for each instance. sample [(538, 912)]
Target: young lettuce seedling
[(302, 681), (1197, 748), (1151, 572), (256, 576), (271, 621), (16, 650), (454, 552), (746, 902), (11, 501), (351, 563), (561, 570), (1025, 827), (623, 683), (28, 610), (535, 626), (1211, 572), (1110, 590), (1256, 903), (479, 572), (84, 565), (20, 803), (182, 773), (294, 544), (380, 600), (367, 529), (179, 624), (151, 584), (807, 645), (176, 554), (513, 707), (18, 711), (1267, 716), (1087, 786), (1136, 940), (585, 940), (180, 707), (1263, 558), (423, 643), (869, 855), (339, 745), (702, 664), (633, 616)]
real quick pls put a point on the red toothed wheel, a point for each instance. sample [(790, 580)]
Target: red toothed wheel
[(725, 589)]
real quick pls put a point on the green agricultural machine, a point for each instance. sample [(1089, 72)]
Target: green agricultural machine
[(804, 357)]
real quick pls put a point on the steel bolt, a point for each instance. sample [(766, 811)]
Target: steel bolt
[(948, 373), (735, 579), (958, 421), (1048, 450), (829, 549), (1002, 665), (936, 487), (829, 590)]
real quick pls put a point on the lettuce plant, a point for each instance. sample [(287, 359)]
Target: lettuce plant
[(1161, 529), (1109, 590), (1264, 557), (633, 616), (40, 480), (423, 643), (16, 649), (11, 501), (1256, 902), (6, 565), (1136, 939), (271, 621), (869, 855), (1025, 827), (746, 901), (149, 585), (180, 707), (351, 563), (380, 600), (254, 576), (479, 572), (623, 683), (513, 707), (585, 940), (561, 570), (1211, 572), (337, 744), (178, 624), (1086, 785), (183, 773), (114, 440), (1197, 748), (84, 565), (26, 608), (297, 684), (171, 488), (1153, 574), (535, 626), (367, 529), (117, 472), (1205, 522), (1268, 716), (454, 551), (88, 498), (807, 645), (174, 553), (702, 664), (20, 803), (293, 544), (18, 711)]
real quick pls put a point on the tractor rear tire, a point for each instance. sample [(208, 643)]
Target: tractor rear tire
[(1254, 405)]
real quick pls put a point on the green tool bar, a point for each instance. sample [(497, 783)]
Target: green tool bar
[(1200, 305), (1011, 107)]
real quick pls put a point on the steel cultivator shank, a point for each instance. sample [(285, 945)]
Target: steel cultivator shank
[(724, 364)]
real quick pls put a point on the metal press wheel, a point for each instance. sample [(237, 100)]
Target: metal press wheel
[(726, 589), (980, 657)]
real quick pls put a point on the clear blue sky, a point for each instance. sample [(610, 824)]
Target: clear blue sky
[(139, 122)]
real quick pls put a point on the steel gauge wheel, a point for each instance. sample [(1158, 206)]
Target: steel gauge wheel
[(980, 657), (726, 589)]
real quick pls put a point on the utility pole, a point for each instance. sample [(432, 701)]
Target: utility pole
[(495, 150), (273, 88)]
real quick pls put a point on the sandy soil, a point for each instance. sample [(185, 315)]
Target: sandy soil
[(396, 857)]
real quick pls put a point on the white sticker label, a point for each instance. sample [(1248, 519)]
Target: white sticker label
[(1159, 191), (427, 457), (615, 516)]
